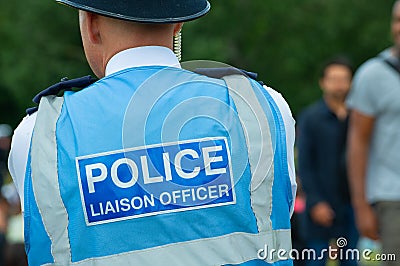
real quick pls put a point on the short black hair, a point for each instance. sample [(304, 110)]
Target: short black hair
[(337, 60)]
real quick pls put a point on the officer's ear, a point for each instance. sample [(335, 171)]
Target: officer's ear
[(93, 25)]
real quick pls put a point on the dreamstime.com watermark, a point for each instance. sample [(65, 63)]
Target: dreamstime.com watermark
[(339, 252)]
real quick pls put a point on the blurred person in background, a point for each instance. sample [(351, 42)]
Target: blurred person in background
[(374, 145), (322, 132), (5, 145), (14, 252), (5, 142)]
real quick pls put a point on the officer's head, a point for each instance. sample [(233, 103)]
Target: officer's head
[(108, 27)]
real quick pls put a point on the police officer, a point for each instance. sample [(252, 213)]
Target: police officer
[(153, 164)]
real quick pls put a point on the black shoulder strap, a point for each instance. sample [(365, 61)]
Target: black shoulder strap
[(221, 72), (64, 85), (394, 65)]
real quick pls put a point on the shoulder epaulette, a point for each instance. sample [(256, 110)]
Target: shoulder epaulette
[(221, 72), (64, 85)]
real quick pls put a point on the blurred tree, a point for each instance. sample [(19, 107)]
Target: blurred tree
[(284, 41), (40, 44), (287, 41)]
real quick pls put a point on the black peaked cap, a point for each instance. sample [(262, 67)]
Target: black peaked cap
[(146, 11)]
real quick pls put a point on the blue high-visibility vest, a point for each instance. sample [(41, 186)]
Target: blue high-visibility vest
[(158, 166)]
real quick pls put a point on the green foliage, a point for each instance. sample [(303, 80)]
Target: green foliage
[(284, 41), (287, 41), (40, 45)]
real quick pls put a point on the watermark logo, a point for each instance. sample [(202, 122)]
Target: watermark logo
[(333, 252), (341, 242)]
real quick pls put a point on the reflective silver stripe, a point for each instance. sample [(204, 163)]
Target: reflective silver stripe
[(45, 178), (235, 248), (259, 145)]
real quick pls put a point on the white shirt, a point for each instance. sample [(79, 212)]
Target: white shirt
[(134, 57)]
